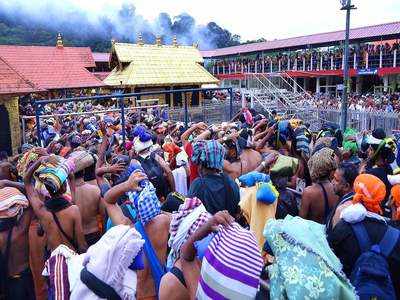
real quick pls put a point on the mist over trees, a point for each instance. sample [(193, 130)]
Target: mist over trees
[(24, 25)]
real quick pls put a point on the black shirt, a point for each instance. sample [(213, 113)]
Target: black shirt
[(344, 243), (217, 192)]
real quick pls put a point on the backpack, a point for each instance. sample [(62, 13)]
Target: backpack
[(155, 174), (370, 275)]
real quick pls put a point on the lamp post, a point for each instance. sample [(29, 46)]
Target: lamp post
[(347, 6)]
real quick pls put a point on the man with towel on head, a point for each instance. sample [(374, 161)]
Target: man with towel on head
[(15, 276), (154, 223), (60, 220)]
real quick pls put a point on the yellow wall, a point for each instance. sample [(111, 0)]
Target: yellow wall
[(11, 104)]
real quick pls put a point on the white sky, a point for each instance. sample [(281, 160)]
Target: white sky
[(251, 19)]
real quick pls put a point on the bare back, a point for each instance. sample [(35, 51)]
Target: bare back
[(69, 219), (18, 259), (87, 198), (248, 161), (313, 203), (157, 231)]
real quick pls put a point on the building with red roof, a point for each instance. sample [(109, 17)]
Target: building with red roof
[(12, 84), (53, 68), (316, 60)]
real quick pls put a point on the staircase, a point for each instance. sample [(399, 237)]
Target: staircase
[(279, 92)]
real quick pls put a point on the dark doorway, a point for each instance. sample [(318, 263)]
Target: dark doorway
[(5, 134)]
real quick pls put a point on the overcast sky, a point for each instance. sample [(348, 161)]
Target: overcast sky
[(253, 19), (268, 18)]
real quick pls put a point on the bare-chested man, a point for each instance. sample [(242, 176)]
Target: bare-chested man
[(157, 230), (15, 277), (238, 164), (319, 198), (61, 223), (87, 198)]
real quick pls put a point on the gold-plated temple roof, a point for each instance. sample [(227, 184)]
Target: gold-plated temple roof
[(156, 65)]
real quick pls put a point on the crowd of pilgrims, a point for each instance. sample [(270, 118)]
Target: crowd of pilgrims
[(367, 56), (253, 208)]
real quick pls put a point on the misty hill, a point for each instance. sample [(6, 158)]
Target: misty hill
[(20, 25)]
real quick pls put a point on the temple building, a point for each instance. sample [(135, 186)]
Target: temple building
[(144, 67), (12, 85)]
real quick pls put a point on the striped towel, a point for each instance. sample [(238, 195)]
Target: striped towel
[(12, 202), (231, 265), (190, 217)]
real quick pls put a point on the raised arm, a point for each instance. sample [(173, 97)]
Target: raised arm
[(167, 171), (111, 197), (33, 197)]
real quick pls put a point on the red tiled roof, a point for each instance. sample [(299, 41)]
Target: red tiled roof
[(11, 82), (101, 57), (52, 67), (381, 30)]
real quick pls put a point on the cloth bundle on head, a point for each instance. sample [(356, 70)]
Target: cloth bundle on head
[(142, 140), (284, 166), (191, 216), (266, 192), (395, 193), (108, 260), (322, 163), (54, 172), (325, 142), (147, 203), (369, 191), (304, 267), (251, 178), (182, 159), (27, 159), (350, 141), (231, 266), (12, 202), (170, 151), (209, 154), (302, 140), (82, 159)]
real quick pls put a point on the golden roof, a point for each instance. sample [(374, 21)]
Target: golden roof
[(156, 65)]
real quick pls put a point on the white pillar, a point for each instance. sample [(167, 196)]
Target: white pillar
[(241, 67), (318, 85), (366, 60), (270, 65), (279, 65), (355, 61), (304, 63), (321, 63), (295, 64), (394, 57), (248, 67), (295, 85), (331, 62), (255, 67), (311, 63), (288, 64), (263, 66), (380, 58), (385, 83), (342, 61), (234, 67)]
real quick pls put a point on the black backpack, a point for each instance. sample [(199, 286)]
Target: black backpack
[(155, 174), (371, 275)]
